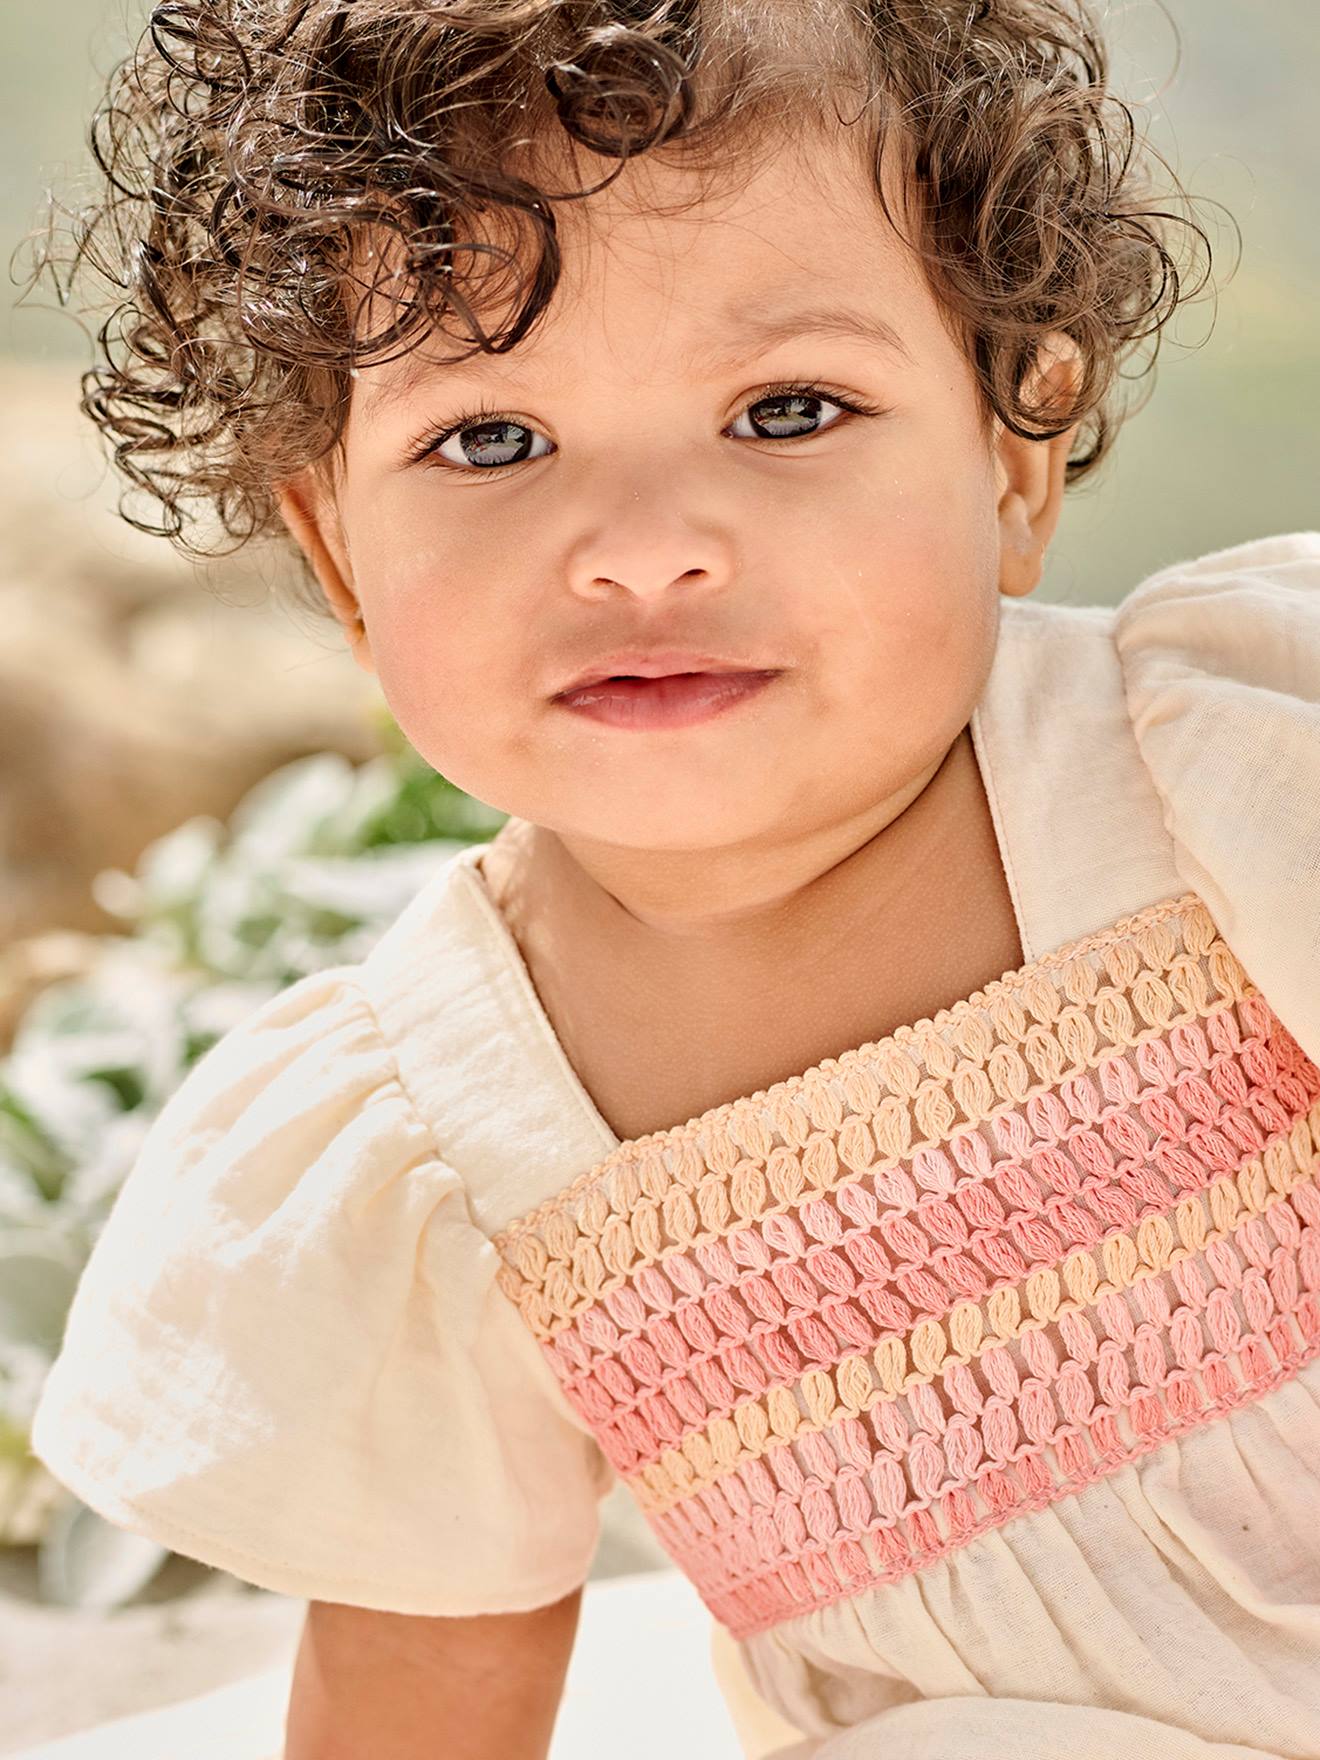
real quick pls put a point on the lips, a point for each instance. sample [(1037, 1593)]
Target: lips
[(667, 702), (656, 663)]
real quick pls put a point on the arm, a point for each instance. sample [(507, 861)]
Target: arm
[(392, 1686)]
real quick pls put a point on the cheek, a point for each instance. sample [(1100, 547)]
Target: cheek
[(431, 664), (447, 664), (911, 616), (427, 635)]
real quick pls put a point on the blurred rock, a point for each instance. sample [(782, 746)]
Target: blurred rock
[(132, 696), (64, 1669)]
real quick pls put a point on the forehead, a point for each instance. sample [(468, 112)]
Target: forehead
[(678, 268)]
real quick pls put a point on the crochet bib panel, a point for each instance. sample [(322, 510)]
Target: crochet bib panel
[(831, 1331)]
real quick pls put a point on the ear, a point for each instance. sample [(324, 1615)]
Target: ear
[(309, 514), (1031, 473)]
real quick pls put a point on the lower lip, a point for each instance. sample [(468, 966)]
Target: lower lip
[(680, 700)]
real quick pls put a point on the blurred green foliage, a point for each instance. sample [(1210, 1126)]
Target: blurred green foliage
[(314, 863)]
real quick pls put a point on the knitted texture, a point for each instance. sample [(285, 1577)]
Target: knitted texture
[(831, 1331)]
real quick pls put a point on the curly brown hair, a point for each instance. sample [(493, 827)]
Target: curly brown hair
[(246, 146)]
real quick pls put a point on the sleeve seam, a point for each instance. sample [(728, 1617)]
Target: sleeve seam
[(552, 1387), (386, 1045)]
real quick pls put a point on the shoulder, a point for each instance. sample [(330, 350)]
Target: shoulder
[(289, 1074), (301, 1110), (289, 1154), (475, 1049), (1283, 562), (1220, 664), (1081, 834), (1249, 615), (292, 1290)]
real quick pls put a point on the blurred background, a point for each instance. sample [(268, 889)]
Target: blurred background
[(201, 798)]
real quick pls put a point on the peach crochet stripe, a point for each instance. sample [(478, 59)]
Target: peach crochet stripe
[(975, 1333), (754, 1330), (1016, 1042), (831, 1330)]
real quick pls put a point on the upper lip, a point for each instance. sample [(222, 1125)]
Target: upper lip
[(655, 663)]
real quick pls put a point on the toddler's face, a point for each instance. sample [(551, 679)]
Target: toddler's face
[(646, 504)]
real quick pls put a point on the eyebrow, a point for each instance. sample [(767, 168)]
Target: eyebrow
[(741, 339), (838, 323)]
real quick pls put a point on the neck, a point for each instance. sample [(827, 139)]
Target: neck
[(697, 906)]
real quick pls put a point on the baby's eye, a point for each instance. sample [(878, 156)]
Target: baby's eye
[(492, 441), (786, 412)]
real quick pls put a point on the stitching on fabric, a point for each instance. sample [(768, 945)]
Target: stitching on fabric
[(690, 1184), (918, 1541), (924, 1038), (973, 1331), (927, 1297), (533, 1008), (990, 782)]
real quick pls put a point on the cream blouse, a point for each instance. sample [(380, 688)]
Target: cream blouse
[(970, 1375)]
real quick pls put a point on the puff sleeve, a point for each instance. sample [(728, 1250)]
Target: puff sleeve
[(288, 1355), (1221, 669)]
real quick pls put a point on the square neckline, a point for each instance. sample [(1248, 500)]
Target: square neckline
[(465, 866), (1034, 961)]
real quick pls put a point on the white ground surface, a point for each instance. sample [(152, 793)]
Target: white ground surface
[(638, 1638), (198, 1667)]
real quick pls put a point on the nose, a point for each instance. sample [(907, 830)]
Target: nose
[(648, 538)]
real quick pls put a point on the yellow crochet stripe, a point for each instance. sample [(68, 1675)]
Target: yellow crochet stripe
[(636, 1208), (1142, 930), (765, 1421)]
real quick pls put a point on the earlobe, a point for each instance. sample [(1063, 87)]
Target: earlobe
[(1021, 551), (312, 524), (1032, 473)]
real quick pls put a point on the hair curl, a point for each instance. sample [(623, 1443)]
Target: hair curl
[(246, 146)]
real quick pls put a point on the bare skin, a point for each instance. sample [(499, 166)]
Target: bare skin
[(388, 1686), (657, 1041), (864, 560)]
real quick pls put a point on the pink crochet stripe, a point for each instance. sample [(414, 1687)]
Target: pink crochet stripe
[(777, 1543), (668, 1351)]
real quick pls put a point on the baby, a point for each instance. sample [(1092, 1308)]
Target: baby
[(865, 1097)]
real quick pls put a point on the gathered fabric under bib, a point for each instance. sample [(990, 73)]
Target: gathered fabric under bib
[(1168, 1611)]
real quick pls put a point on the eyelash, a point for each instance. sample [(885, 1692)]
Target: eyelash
[(429, 443)]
